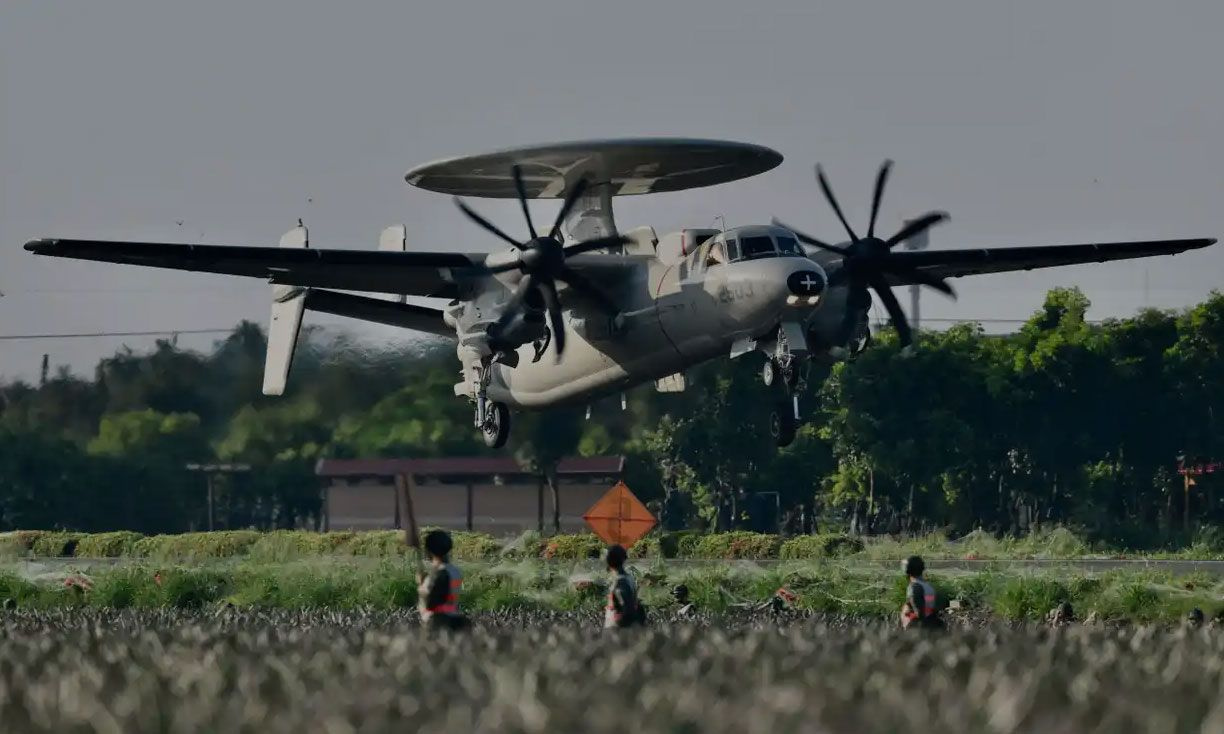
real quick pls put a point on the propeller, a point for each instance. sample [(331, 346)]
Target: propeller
[(542, 261), (867, 261)]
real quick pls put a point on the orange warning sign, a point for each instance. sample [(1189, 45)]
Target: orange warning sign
[(619, 517)]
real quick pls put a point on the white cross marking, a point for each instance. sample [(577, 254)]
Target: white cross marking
[(808, 282)]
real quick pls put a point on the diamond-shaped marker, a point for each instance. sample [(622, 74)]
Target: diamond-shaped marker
[(619, 517)]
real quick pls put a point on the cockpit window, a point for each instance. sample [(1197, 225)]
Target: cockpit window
[(754, 247), (732, 251), (715, 255), (788, 246)]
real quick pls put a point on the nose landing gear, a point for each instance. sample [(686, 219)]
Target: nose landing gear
[(785, 370), (496, 426)]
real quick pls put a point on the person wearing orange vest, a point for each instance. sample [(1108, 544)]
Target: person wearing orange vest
[(919, 610), (623, 609), (438, 592)]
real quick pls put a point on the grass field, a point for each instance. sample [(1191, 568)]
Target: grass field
[(524, 671), (826, 587)]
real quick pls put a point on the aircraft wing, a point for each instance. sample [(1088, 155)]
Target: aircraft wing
[(411, 273), (955, 263)]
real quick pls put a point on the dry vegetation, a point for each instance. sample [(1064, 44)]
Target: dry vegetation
[(371, 671)]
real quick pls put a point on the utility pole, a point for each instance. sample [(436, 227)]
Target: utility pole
[(210, 472)]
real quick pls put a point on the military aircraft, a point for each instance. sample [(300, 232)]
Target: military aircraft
[(578, 309)]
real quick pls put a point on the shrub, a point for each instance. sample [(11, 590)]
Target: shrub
[(739, 544), (188, 589), (217, 544), (573, 547), (107, 545), (56, 544), (834, 545), (377, 543), (1028, 597), (16, 591)]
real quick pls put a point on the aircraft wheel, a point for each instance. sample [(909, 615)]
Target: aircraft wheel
[(769, 371), (497, 426), (782, 424)]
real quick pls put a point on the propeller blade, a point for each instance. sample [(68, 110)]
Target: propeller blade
[(486, 224), (583, 285), (921, 277), (828, 192), (548, 290), (904, 335), (515, 302), (570, 198), (505, 267), (595, 244), (881, 179), (918, 226), (517, 170), (810, 240)]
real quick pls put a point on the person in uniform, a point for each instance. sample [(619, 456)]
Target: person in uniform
[(919, 610), (624, 609), (438, 592)]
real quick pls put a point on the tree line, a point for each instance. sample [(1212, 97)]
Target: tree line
[(1063, 422)]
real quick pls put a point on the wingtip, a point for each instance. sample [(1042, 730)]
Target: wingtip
[(39, 247)]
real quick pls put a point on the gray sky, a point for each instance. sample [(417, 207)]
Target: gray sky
[(1036, 122)]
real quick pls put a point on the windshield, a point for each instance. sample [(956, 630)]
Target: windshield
[(789, 246), (754, 247)]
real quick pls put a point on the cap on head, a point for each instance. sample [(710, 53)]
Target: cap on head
[(438, 543), (680, 593), (616, 556), (913, 566)]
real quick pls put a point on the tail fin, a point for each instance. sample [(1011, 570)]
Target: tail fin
[(288, 302), (394, 239)]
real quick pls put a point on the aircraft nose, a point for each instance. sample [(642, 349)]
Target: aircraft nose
[(806, 283)]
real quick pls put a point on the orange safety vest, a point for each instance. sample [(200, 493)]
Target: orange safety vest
[(928, 602), (450, 603)]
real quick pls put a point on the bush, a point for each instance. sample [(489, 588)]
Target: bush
[(16, 591), (834, 545), (1028, 597), (118, 544), (739, 544), (187, 546), (573, 547), (56, 544)]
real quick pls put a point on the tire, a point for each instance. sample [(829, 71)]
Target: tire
[(497, 428), (769, 372), (782, 424)]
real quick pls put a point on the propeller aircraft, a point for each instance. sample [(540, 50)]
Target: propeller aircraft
[(580, 309)]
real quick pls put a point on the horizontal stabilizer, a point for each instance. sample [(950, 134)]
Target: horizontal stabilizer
[(288, 302)]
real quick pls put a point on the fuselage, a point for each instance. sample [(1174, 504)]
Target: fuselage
[(676, 312)]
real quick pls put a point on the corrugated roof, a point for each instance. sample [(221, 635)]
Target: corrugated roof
[(462, 465)]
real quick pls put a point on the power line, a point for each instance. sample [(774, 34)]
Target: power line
[(99, 334)]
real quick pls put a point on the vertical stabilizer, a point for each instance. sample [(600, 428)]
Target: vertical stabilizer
[(288, 302)]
